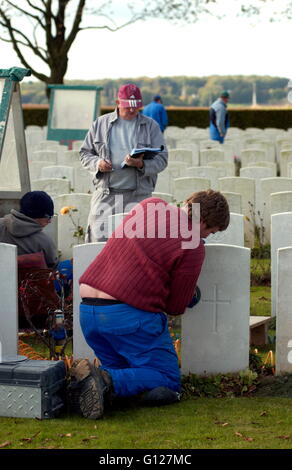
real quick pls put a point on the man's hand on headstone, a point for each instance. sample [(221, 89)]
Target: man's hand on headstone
[(136, 162), (196, 298), (104, 166)]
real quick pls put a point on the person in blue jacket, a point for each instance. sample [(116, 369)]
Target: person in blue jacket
[(157, 111), (219, 119)]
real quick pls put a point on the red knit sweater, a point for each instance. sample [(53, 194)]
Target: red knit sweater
[(154, 274)]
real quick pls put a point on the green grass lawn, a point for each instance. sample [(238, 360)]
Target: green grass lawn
[(260, 271), (260, 300), (203, 423)]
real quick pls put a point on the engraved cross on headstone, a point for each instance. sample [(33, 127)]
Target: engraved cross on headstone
[(215, 301)]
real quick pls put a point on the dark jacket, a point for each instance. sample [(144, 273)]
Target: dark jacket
[(157, 112), (24, 232)]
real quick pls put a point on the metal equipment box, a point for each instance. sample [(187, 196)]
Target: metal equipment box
[(32, 389)]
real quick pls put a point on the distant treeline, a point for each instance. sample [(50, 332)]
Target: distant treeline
[(183, 91)]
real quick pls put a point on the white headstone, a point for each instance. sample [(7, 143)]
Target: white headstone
[(83, 181), (66, 227), (83, 255), (233, 235), (285, 158), (48, 145), (206, 144), (53, 186), (245, 187), (57, 171), (234, 201), (257, 173), (267, 187), (229, 151), (235, 143), (271, 165), (9, 303), (52, 229), (267, 146), (70, 158), (181, 155), (163, 183), (283, 142), (284, 317), (176, 169), (33, 138), (44, 155), (165, 196), (281, 236), (205, 172), (211, 155), (226, 168), (33, 127), (215, 333), (281, 202), (190, 145), (251, 155), (35, 169), (183, 187)]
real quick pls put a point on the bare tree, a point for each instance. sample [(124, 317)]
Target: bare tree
[(54, 25)]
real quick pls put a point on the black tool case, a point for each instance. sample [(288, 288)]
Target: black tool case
[(32, 389)]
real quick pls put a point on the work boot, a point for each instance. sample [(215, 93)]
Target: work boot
[(92, 384), (159, 396), (73, 389)]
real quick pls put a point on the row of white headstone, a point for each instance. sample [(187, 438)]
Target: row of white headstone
[(61, 230), (256, 197), (191, 154), (215, 333), (276, 194), (244, 194), (272, 145)]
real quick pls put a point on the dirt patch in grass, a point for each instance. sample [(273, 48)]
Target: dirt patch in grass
[(274, 386)]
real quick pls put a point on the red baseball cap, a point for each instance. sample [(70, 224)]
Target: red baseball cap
[(129, 96)]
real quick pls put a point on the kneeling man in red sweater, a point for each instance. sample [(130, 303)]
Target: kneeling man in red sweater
[(147, 269)]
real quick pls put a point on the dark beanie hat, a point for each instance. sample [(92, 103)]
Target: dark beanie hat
[(37, 204)]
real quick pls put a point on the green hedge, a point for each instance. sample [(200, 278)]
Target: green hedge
[(35, 116), (199, 117), (242, 118)]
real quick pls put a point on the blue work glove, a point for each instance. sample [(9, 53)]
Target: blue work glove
[(196, 299)]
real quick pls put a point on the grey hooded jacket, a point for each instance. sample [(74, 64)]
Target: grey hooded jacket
[(96, 147), (220, 110), (24, 232)]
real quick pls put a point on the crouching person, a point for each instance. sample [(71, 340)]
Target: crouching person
[(24, 227), (128, 290)]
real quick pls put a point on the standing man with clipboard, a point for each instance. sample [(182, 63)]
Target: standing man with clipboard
[(121, 179)]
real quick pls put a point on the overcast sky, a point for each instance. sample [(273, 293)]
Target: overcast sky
[(230, 46)]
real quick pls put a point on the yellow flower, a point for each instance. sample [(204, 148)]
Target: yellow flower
[(66, 209)]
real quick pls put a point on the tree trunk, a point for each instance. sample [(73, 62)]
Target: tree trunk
[(58, 72)]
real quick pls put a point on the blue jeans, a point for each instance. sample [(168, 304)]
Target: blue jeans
[(214, 134), (133, 345)]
